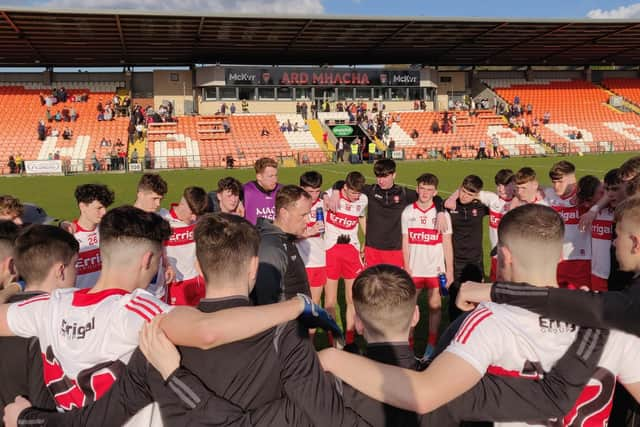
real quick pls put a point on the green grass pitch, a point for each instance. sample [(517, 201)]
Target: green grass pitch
[(55, 193)]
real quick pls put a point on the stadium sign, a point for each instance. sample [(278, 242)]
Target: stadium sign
[(321, 77), (43, 167), (342, 130)]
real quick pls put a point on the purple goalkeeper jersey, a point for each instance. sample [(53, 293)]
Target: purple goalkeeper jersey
[(259, 203)]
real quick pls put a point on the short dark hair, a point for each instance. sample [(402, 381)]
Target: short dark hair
[(8, 233), (153, 182), (629, 169), (428, 179), (221, 237), (524, 175), (560, 169), (263, 163), (532, 222), (197, 200), (612, 177), (231, 184), (504, 177), (38, 247), (629, 208), (126, 224), (587, 187), (87, 193), (288, 195), (384, 297), (355, 181), (472, 183), (384, 167), (311, 179)]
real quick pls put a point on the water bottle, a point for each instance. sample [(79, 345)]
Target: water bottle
[(320, 218), (442, 280)]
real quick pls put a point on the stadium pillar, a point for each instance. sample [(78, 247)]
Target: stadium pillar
[(47, 75), (194, 90), (587, 73)]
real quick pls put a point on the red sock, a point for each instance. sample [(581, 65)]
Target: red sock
[(411, 341), (433, 339), (350, 336)]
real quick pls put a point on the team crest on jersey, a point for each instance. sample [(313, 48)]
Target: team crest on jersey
[(396, 199)]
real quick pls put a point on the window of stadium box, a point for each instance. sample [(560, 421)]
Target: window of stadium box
[(228, 93), (398, 93), (363, 93), (285, 93), (345, 93), (303, 93), (210, 93), (248, 93), (416, 93), (267, 93), (380, 93)]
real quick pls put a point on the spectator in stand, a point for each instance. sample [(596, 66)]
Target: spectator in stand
[(56, 155), (482, 150), (54, 132), (232, 109), (304, 109), (454, 121), (120, 157), (58, 116), (415, 134), (391, 147), (223, 108), (245, 106), (226, 125), (13, 166), (139, 130), (134, 156), (147, 158), (340, 150), (67, 133), (296, 128), (305, 127), (579, 135), (435, 127), (20, 163), (131, 130), (264, 132), (546, 118), (94, 161), (494, 144), (42, 130), (529, 109)]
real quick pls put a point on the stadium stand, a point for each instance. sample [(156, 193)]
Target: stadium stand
[(464, 143), (629, 89), (574, 105), (21, 110)]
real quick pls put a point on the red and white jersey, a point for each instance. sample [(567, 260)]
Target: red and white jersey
[(498, 207), (507, 340), (89, 263), (344, 221), (85, 338), (601, 237), (426, 252), (312, 248), (180, 248), (577, 244)]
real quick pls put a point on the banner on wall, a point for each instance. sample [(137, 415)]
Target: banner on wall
[(321, 77), (43, 167)]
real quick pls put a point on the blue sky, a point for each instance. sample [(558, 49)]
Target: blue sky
[(459, 8)]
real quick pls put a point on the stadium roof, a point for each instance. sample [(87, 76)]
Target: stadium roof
[(36, 37)]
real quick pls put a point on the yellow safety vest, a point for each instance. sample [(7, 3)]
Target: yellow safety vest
[(372, 148), (354, 148)]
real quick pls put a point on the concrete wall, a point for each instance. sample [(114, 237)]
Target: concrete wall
[(177, 91), (458, 82), (274, 107)]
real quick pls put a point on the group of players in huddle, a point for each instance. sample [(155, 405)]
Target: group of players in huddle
[(186, 317)]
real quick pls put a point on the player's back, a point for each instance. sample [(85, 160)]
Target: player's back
[(246, 372), (506, 340), (85, 338)]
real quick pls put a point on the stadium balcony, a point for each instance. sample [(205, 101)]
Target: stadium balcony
[(574, 106)]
